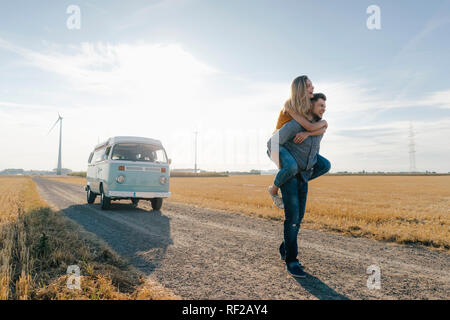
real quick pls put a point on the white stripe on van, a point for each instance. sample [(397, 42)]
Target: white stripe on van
[(134, 168)]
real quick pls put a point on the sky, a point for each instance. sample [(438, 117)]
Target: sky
[(165, 69)]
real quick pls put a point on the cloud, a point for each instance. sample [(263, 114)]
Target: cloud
[(163, 91), (124, 68), (12, 106), (386, 146), (439, 98), (144, 76), (432, 24), (368, 132)]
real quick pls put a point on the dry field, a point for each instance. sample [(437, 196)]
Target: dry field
[(402, 209), (37, 245)]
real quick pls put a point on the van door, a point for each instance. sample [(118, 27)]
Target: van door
[(96, 170), (90, 174), (103, 168)]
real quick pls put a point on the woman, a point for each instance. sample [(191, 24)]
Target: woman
[(297, 107)]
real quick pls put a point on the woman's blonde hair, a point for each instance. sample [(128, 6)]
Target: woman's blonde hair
[(299, 102)]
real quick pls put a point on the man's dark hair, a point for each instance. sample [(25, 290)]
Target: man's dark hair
[(318, 96)]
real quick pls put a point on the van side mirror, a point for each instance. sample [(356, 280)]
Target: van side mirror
[(170, 161)]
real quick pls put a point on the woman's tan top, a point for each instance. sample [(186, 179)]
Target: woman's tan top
[(283, 118)]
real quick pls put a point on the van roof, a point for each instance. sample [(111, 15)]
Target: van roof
[(119, 139)]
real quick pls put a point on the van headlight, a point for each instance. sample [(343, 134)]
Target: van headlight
[(163, 180), (120, 179)]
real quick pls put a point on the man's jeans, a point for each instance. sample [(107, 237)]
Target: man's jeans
[(289, 167), (294, 193)]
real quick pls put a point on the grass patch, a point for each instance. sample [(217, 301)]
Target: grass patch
[(38, 244), (182, 174), (77, 174)]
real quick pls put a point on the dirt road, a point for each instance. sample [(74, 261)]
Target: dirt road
[(206, 254)]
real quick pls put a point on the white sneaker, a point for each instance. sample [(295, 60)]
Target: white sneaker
[(277, 200)]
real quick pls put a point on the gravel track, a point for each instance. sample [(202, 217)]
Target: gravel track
[(209, 254)]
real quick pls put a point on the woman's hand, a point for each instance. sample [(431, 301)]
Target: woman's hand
[(301, 136)]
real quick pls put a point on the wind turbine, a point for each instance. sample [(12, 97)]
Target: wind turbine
[(58, 170)]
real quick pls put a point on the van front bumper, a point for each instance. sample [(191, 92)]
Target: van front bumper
[(132, 194)]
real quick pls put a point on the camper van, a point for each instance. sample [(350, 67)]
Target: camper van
[(133, 168)]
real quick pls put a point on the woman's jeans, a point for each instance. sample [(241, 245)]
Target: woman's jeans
[(289, 167), (294, 193)]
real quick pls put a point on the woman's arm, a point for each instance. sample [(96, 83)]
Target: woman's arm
[(306, 124), (301, 136), (318, 132)]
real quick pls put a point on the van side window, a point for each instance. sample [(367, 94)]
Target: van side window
[(107, 152), (90, 157), (160, 156), (98, 155)]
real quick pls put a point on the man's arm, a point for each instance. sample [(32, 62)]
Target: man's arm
[(306, 124), (283, 135), (287, 132)]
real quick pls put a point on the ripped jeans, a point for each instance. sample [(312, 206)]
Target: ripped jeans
[(294, 193)]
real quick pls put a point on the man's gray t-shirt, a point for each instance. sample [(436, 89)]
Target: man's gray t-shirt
[(305, 153)]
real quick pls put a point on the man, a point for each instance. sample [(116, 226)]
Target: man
[(295, 190)]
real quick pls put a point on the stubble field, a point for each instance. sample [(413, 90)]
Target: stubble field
[(402, 209)]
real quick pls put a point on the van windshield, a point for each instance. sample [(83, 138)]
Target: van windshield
[(139, 152)]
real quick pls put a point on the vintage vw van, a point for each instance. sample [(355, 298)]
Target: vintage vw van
[(132, 168)]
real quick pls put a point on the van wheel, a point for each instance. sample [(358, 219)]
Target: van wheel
[(135, 202), (90, 196), (105, 202), (156, 203)]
